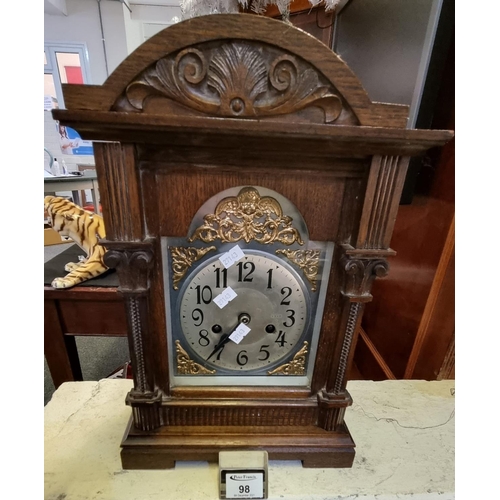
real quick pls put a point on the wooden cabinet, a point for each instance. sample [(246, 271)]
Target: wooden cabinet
[(408, 329)]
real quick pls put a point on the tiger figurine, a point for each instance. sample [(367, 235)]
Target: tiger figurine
[(85, 229)]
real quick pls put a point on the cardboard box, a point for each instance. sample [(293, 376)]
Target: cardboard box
[(51, 237)]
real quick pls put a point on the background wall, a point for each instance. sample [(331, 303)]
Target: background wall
[(79, 21), (387, 44)]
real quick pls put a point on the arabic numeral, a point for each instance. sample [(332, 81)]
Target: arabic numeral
[(286, 291), (264, 351), (246, 266), (270, 278), (291, 317), (244, 489), (220, 352), (197, 315), (281, 338), (203, 294), (242, 358), (203, 340), (218, 273)]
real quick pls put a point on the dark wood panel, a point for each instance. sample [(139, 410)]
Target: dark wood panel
[(60, 352), (392, 321), (93, 311), (323, 218), (119, 187), (157, 343), (393, 318), (447, 371), (92, 293), (329, 342), (366, 363), (314, 446), (93, 317), (379, 359), (437, 327), (386, 181), (304, 139), (231, 158)]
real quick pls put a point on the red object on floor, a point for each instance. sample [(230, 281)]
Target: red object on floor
[(129, 371)]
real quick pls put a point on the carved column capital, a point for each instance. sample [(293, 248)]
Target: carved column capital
[(133, 261), (359, 274)]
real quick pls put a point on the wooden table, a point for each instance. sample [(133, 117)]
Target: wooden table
[(96, 308)]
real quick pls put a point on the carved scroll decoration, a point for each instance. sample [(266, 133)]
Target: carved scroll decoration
[(360, 274), (133, 266), (307, 260), (247, 217), (294, 367), (186, 366), (182, 259), (236, 79)]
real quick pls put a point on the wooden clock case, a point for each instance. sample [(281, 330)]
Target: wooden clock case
[(232, 100)]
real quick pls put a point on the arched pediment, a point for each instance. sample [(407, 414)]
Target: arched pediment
[(237, 66), (235, 79)]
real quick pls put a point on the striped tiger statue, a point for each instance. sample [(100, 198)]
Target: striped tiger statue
[(85, 229)]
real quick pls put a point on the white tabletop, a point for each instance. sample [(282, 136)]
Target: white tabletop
[(404, 433)]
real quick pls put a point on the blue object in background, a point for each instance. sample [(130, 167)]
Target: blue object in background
[(71, 142)]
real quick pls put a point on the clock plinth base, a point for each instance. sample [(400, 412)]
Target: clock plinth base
[(315, 447)]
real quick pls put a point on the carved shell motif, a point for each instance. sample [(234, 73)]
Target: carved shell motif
[(237, 79)]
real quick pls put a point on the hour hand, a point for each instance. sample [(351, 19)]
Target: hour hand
[(220, 345)]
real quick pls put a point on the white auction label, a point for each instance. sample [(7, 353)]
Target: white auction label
[(225, 297), (248, 485), (239, 333), (234, 255)]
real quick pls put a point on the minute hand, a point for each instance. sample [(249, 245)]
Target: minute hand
[(222, 342)]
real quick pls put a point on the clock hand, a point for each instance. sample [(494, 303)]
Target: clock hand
[(222, 342), (242, 318)]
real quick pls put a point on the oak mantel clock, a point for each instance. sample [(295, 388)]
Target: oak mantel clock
[(249, 189)]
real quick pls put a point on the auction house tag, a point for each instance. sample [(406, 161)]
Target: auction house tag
[(232, 256), (223, 299), (239, 333), (243, 474), (248, 484)]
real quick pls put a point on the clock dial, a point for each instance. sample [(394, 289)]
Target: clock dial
[(270, 300)]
